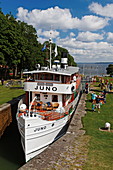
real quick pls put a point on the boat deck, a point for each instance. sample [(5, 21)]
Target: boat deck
[(49, 115)]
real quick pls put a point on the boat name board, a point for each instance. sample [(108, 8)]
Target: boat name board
[(40, 128), (47, 88)]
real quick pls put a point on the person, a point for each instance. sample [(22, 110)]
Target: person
[(93, 96), (93, 105), (110, 87), (98, 103), (93, 100), (86, 88), (104, 95), (2, 81)]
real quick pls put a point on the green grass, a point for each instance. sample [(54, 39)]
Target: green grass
[(100, 155), (7, 94)]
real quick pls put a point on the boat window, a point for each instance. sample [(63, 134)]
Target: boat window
[(49, 76), (65, 79), (54, 98), (36, 76), (46, 96), (46, 76), (38, 96), (42, 77), (57, 77)]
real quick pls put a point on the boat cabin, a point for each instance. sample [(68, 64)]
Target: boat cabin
[(55, 86)]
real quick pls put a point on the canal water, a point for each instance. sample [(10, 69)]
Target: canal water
[(11, 152)]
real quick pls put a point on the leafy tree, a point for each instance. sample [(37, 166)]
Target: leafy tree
[(20, 49), (110, 69), (27, 44)]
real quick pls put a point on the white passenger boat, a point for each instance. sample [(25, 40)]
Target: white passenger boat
[(52, 95)]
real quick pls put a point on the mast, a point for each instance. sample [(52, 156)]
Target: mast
[(50, 41)]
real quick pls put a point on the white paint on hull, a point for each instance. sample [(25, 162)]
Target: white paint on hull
[(37, 134)]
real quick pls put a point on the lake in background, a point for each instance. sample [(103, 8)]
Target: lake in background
[(92, 69)]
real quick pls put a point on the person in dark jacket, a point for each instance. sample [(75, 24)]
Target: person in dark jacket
[(87, 88), (2, 81)]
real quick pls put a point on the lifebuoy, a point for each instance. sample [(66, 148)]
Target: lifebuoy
[(72, 88)]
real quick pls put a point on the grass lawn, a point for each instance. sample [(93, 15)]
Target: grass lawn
[(100, 155), (7, 94)]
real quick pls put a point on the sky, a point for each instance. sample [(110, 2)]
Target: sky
[(83, 27)]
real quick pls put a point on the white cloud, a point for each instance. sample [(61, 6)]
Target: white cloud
[(87, 51), (58, 18), (100, 10), (48, 34), (51, 33), (83, 47), (110, 37), (42, 40), (92, 23), (72, 34), (88, 36)]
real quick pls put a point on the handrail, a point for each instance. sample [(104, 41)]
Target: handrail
[(31, 105), (37, 81)]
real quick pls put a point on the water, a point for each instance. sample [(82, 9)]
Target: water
[(92, 69), (11, 152)]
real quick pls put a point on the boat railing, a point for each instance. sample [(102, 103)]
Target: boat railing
[(42, 82), (46, 115), (52, 114)]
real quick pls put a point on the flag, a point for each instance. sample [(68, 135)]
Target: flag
[(56, 52), (44, 47)]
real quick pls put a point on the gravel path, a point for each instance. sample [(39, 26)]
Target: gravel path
[(67, 153)]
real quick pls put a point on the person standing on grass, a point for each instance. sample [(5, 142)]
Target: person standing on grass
[(104, 95), (93, 96), (93, 100), (110, 87), (87, 88), (98, 104), (2, 81), (93, 105)]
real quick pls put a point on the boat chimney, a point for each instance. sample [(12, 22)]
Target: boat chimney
[(64, 60), (57, 65)]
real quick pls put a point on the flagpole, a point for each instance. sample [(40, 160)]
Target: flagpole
[(50, 52)]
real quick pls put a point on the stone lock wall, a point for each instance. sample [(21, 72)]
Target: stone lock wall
[(5, 117)]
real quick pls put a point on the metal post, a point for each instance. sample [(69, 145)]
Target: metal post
[(50, 55), (29, 105)]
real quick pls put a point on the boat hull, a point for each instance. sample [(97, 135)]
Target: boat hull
[(38, 134)]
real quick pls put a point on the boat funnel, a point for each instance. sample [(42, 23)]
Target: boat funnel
[(64, 60)]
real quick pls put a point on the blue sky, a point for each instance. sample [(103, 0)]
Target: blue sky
[(84, 27)]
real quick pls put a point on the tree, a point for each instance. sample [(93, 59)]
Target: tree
[(20, 49), (27, 44), (110, 69)]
